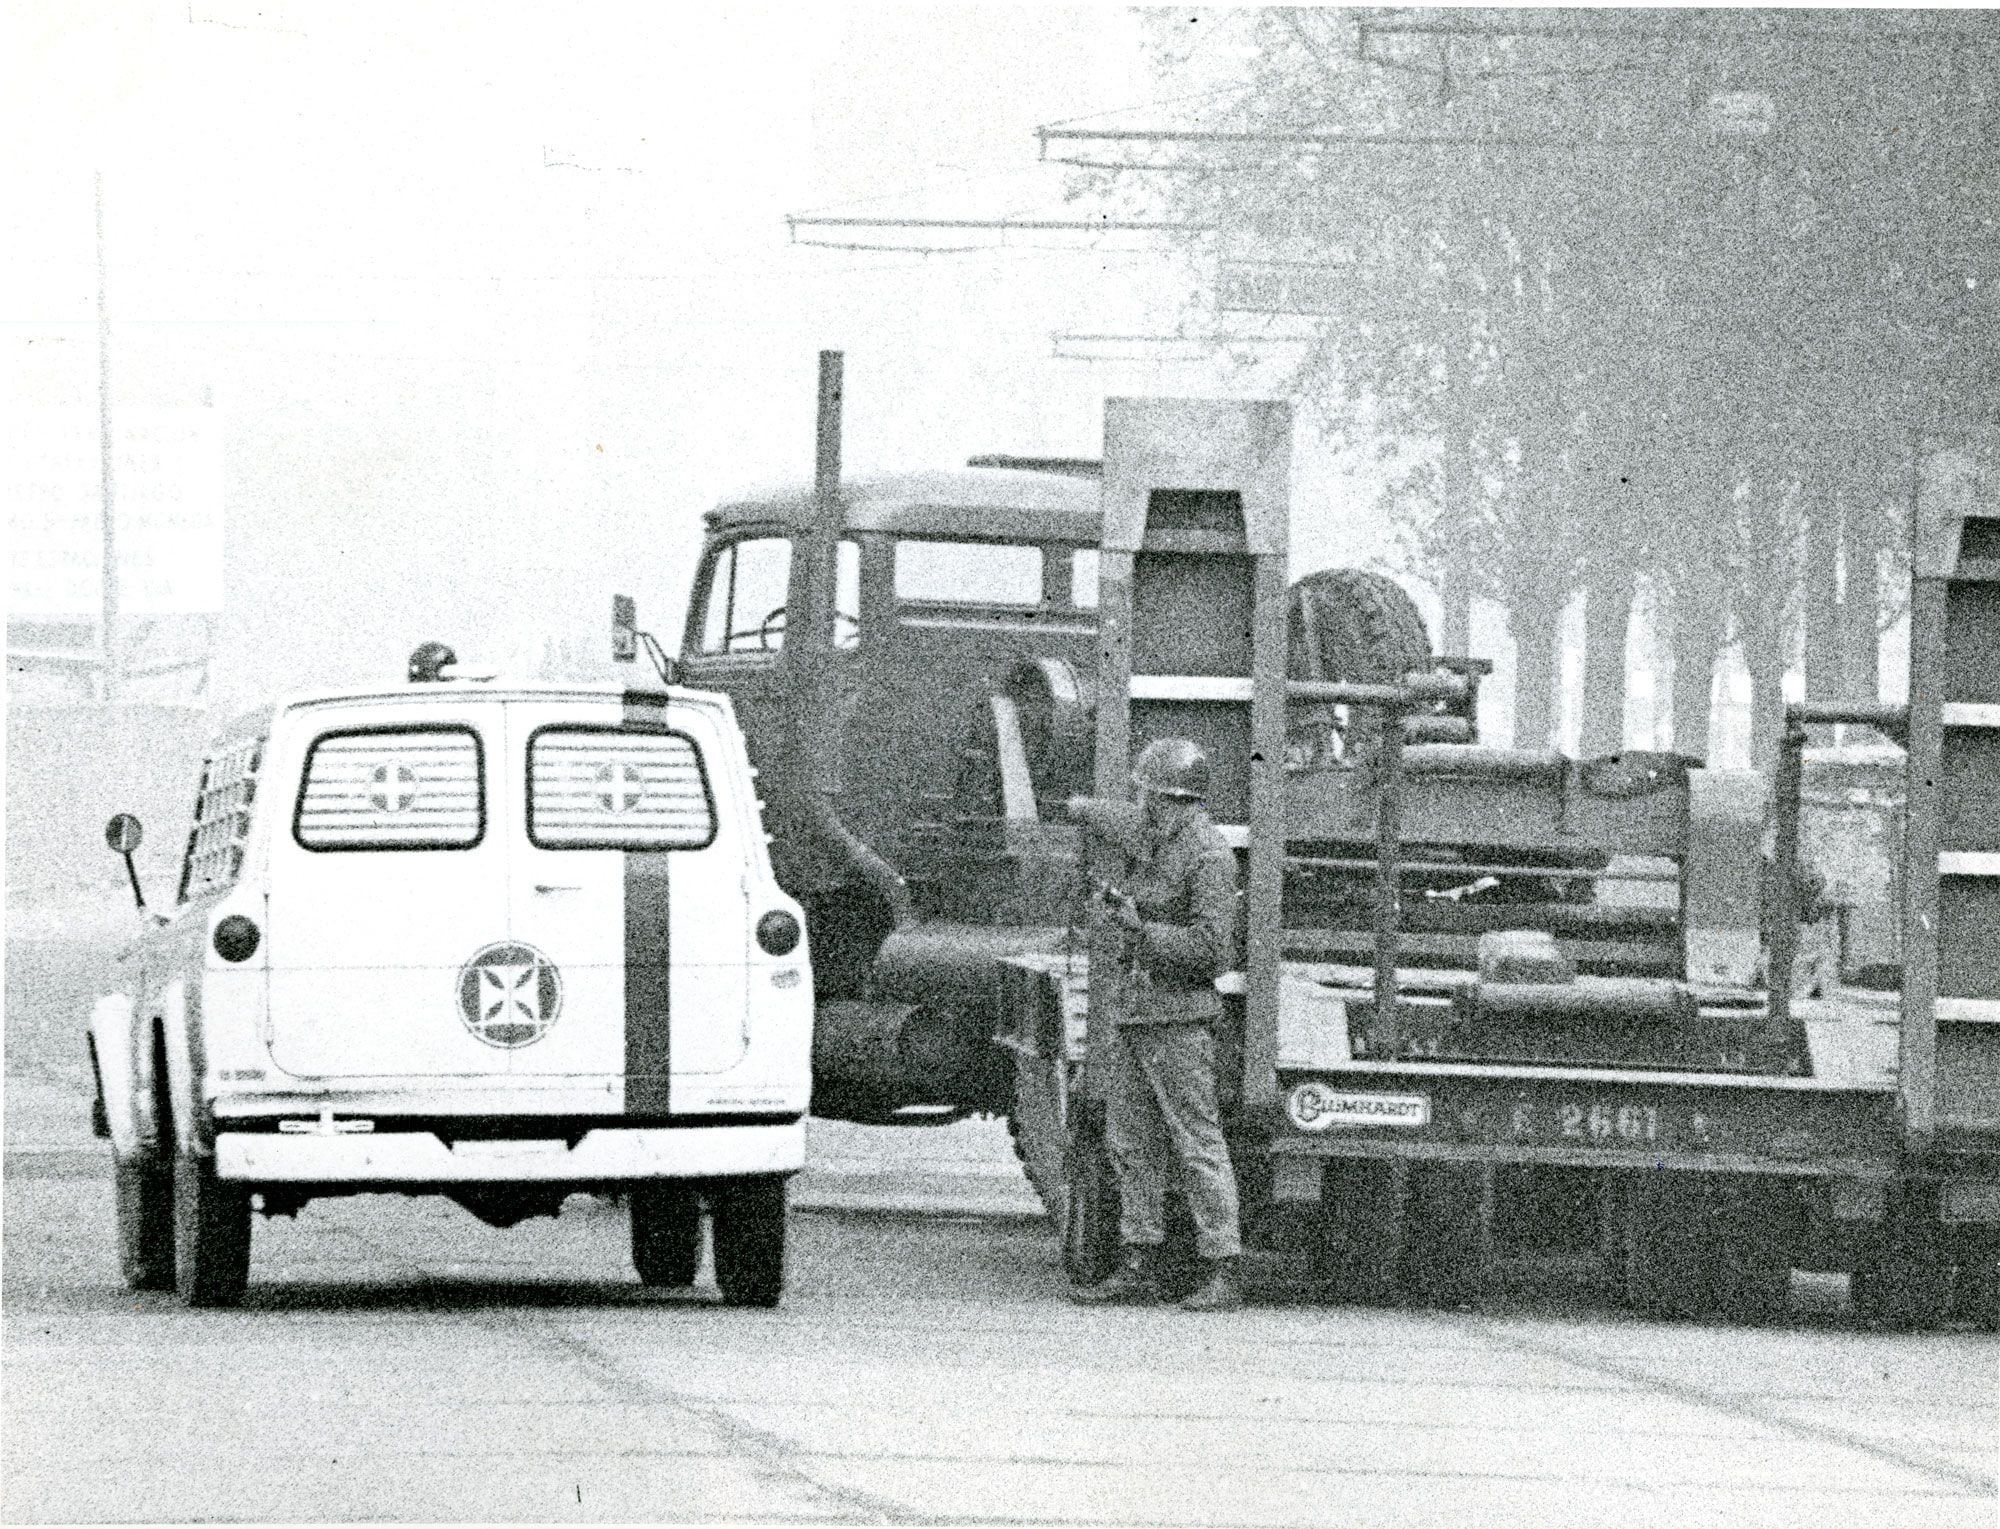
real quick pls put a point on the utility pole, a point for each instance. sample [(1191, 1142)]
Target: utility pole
[(109, 685)]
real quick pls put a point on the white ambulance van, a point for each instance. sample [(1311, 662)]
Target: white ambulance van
[(500, 942)]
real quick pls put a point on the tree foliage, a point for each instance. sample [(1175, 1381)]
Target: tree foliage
[(1639, 293)]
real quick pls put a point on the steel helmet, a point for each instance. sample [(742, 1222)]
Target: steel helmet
[(1172, 767)]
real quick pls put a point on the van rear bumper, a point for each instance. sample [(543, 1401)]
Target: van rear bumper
[(418, 1157)]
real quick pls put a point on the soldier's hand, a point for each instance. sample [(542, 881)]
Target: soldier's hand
[(1127, 913)]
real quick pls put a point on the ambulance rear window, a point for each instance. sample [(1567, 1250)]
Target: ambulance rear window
[(617, 788), (393, 788)]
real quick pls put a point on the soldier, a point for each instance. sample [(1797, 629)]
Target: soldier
[(1176, 903)]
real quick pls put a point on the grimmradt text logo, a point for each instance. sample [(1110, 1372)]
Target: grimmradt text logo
[(509, 994)]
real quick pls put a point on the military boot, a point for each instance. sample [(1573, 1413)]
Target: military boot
[(1136, 1282), (1222, 1290)]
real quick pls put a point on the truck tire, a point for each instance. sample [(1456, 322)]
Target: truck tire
[(211, 1234), (1447, 1240), (1975, 1294), (666, 1234), (1672, 1252), (1902, 1279), (748, 1220), (143, 1193), (1761, 1227), (1352, 625), (1612, 1254), (1356, 1244), (1090, 1225), (1037, 1126)]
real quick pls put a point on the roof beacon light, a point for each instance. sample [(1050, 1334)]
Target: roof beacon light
[(429, 661)]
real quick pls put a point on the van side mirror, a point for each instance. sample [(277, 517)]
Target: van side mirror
[(624, 629), (627, 639), (124, 833)]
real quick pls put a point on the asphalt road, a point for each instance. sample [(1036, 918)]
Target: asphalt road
[(398, 1360)]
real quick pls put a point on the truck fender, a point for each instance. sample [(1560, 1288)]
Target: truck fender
[(124, 1077), (180, 1025)]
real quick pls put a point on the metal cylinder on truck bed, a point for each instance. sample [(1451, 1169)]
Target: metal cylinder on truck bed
[(955, 964), (1594, 998)]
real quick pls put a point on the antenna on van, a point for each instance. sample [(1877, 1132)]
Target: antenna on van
[(627, 640)]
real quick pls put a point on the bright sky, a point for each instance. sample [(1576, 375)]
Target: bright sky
[(493, 300)]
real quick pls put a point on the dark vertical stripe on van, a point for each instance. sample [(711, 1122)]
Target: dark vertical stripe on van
[(647, 1000)]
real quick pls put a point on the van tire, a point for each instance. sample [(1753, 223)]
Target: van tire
[(748, 1217), (211, 1234), (666, 1234), (143, 1196)]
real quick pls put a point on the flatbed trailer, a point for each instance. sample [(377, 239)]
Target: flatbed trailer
[(1382, 1099)]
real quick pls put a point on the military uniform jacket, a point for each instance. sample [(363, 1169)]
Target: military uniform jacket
[(1184, 883)]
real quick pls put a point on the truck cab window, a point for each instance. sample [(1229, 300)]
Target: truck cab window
[(968, 573), (744, 610)]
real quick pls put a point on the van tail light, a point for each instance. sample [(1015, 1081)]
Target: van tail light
[(236, 938), (778, 933)]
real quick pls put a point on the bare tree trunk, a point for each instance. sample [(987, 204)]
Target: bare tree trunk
[(1455, 596), (1763, 637), (1607, 619), (1535, 619), (1696, 639), (1455, 584), (1824, 680), (1860, 608)]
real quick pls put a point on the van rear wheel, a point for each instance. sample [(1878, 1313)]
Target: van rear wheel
[(666, 1234), (143, 1194), (211, 1234), (748, 1217)]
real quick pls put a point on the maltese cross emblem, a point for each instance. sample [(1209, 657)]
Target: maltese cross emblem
[(620, 788), (392, 788), (509, 994)]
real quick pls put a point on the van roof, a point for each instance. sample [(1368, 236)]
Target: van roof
[(980, 503), (257, 722)]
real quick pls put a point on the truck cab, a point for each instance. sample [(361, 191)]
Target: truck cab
[(946, 584)]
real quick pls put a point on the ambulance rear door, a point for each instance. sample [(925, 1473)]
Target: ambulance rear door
[(629, 883), (388, 878)]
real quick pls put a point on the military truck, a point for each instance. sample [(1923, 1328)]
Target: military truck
[(1476, 983)]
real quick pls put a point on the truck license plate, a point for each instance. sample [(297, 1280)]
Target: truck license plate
[(1604, 1122), (1316, 1106)]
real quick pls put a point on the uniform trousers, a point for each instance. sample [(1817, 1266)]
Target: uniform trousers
[(1161, 1111)]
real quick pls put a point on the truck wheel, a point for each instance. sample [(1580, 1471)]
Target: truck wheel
[(1975, 1294), (748, 1218), (1672, 1261), (1090, 1223), (1902, 1279), (1356, 1244), (143, 1193), (1361, 627), (666, 1234), (1447, 1239), (1760, 1228), (1612, 1254), (211, 1234), (1037, 1127)]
